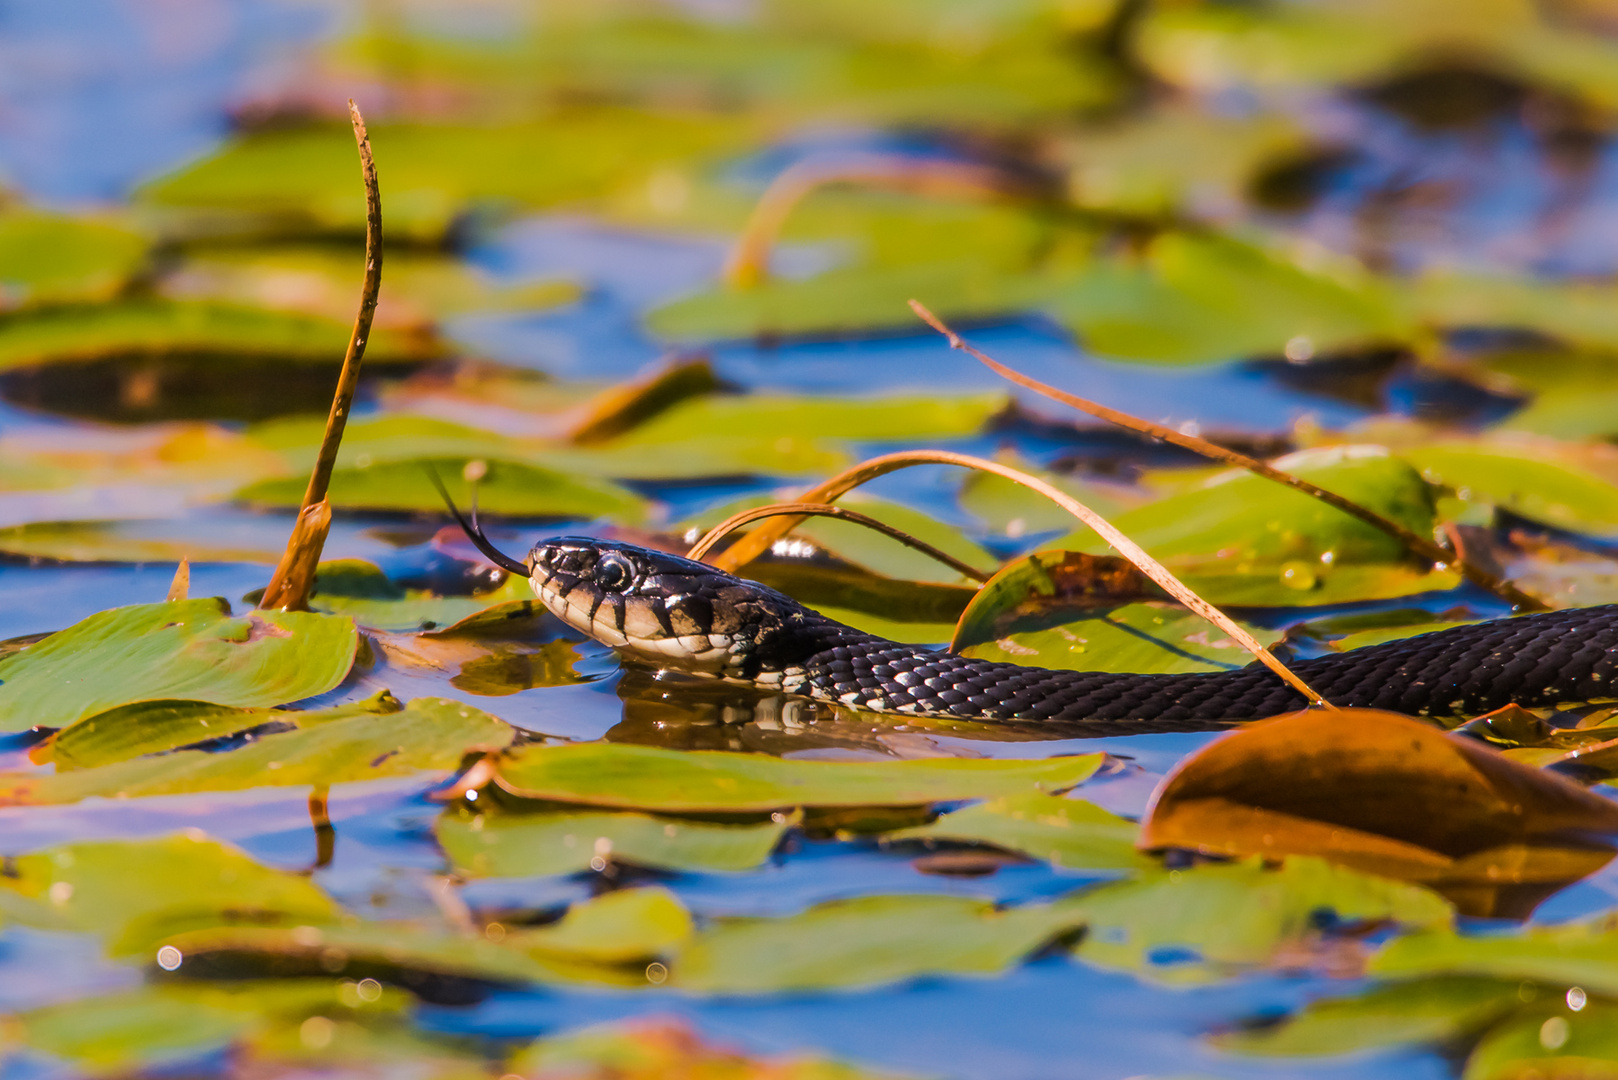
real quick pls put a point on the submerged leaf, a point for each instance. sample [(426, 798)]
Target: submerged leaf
[(190, 649), (651, 778), (523, 845)]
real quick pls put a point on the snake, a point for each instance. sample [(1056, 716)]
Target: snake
[(678, 614)]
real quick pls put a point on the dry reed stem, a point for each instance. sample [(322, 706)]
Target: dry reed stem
[(801, 510), (290, 584), (1413, 542), (880, 466), (748, 262)]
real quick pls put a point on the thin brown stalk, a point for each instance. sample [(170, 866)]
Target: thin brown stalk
[(801, 510), (1418, 545), (748, 262), (290, 584), (757, 541)]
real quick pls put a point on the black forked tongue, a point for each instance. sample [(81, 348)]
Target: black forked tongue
[(474, 532)]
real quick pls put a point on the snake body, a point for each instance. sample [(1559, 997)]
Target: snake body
[(676, 613)]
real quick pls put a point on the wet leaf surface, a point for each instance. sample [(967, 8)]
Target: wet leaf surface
[(1153, 637), (193, 649), (429, 736), (1064, 832), (568, 842), (648, 778)]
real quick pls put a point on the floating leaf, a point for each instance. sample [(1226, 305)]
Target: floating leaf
[(1205, 923), (150, 327), (651, 778), (50, 258), (1156, 637), (361, 591), (151, 727), (117, 1034), (191, 649), (1043, 589), (1197, 300), (1241, 539), (508, 488), (1389, 795), (299, 181), (1541, 480), (1552, 1040), (653, 1048), (125, 542), (430, 735), (868, 419), (134, 892), (1442, 1009), (1581, 954), (614, 928), (523, 845), (865, 942), (1069, 833)]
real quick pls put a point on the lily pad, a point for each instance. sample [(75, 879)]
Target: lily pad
[(429, 736), (1441, 1009), (508, 488), (651, 778), (115, 1034), (1539, 479), (361, 591), (1065, 832), (1552, 1040), (152, 727), (135, 892), (1202, 924), (524, 845), (1583, 954), (52, 259), (866, 942), (1241, 539), (144, 327), (1153, 637), (191, 649), (302, 181), (615, 928)]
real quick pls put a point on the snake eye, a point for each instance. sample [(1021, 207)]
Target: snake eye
[(614, 572)]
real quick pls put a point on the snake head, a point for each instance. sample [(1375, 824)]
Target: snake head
[(656, 607)]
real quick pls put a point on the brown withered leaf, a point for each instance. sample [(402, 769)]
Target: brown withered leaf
[(1389, 795)]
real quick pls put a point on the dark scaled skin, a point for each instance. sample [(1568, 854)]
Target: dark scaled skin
[(1537, 660)]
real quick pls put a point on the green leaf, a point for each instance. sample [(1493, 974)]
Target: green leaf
[(1205, 923), (1149, 637), (1442, 1009), (193, 649), (1198, 300), (301, 181), (151, 727), (523, 845), (430, 735), (117, 1034), (509, 488), (651, 778), (1064, 832), (361, 591), (1574, 954), (1551, 1040), (868, 941), (51, 258), (152, 327), (136, 892), (1541, 479), (765, 416), (1241, 539), (128, 542), (615, 928), (841, 302)]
